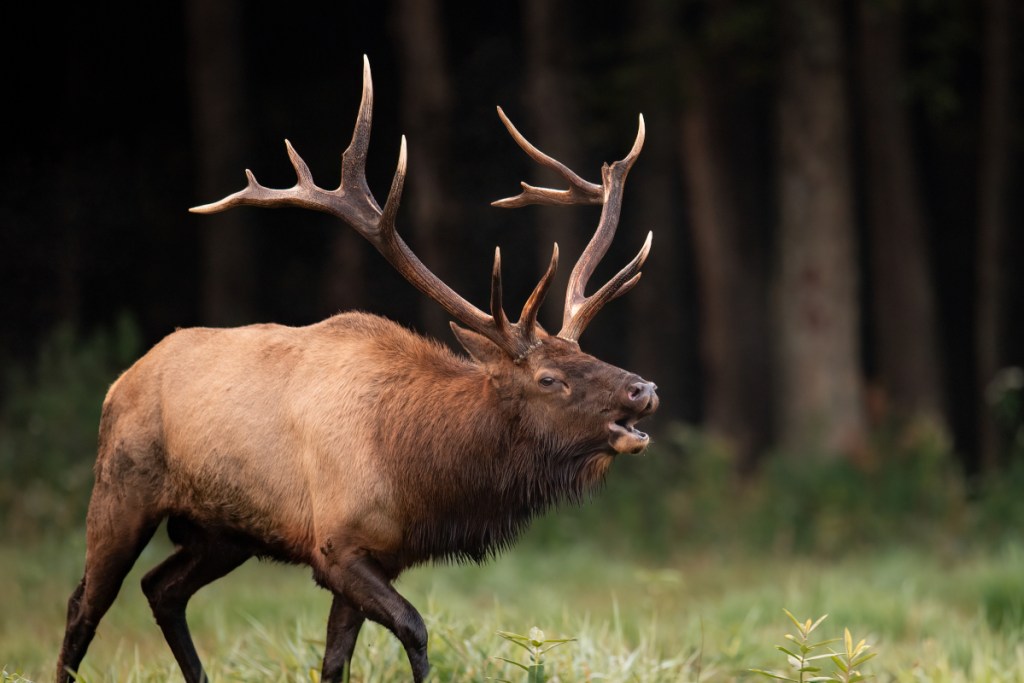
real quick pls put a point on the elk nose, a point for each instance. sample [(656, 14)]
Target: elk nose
[(641, 396)]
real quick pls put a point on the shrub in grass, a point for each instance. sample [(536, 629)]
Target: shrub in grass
[(815, 660), (686, 494), (1002, 597), (536, 645), (48, 425), (1005, 398)]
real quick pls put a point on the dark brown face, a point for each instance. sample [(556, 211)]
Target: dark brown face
[(569, 394), (569, 400), (575, 392)]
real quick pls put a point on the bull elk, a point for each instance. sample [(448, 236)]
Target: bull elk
[(353, 445)]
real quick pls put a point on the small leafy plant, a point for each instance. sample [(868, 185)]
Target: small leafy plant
[(537, 645), (805, 656)]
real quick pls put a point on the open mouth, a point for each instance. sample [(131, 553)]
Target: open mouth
[(624, 437)]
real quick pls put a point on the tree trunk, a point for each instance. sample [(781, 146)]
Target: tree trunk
[(821, 406), (427, 107), (903, 320), (216, 75), (993, 188), (731, 268), (724, 285)]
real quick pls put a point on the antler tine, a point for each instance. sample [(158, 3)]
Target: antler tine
[(497, 312), (528, 318), (386, 230), (353, 159), (581, 311), (638, 144), (580, 191)]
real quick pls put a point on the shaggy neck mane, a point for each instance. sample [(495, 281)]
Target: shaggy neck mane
[(481, 475)]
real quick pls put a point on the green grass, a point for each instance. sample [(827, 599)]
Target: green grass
[(700, 616)]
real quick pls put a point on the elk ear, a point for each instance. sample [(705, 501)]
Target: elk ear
[(482, 349)]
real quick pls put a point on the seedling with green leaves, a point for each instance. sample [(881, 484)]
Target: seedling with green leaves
[(537, 645), (805, 656)]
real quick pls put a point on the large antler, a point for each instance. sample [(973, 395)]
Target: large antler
[(581, 309), (353, 203)]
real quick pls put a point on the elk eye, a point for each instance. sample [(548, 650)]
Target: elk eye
[(547, 381)]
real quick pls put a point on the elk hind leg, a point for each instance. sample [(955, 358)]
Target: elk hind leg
[(201, 557), (117, 529), (342, 630)]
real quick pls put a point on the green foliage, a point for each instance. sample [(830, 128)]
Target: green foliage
[(906, 487), (48, 426), (6, 677), (1005, 397), (685, 494), (1001, 589), (536, 645), (807, 657)]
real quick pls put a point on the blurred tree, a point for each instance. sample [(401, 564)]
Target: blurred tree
[(217, 99), (993, 188), (427, 101), (732, 298), (344, 283), (903, 310), (820, 393), (660, 301)]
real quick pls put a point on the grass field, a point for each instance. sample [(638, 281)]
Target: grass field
[(931, 616)]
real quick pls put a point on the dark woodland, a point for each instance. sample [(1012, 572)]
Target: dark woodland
[(836, 188)]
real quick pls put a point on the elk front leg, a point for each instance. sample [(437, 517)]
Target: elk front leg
[(366, 586), (342, 630)]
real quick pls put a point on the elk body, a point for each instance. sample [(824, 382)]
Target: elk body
[(354, 446)]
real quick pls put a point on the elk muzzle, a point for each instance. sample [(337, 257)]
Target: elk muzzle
[(639, 399)]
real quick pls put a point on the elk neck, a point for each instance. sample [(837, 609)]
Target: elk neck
[(468, 474)]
